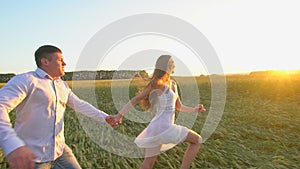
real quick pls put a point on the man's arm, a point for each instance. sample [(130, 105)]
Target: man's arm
[(11, 95), (89, 110), (17, 154)]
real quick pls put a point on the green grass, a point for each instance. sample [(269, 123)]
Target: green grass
[(2, 84), (259, 128)]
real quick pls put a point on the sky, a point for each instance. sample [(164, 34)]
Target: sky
[(247, 36)]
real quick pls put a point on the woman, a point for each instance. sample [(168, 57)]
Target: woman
[(160, 97)]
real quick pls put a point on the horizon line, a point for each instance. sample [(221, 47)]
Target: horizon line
[(229, 73)]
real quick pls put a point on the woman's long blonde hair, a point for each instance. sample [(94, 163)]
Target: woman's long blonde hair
[(160, 76)]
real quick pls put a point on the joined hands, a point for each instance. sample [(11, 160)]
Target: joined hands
[(114, 120)]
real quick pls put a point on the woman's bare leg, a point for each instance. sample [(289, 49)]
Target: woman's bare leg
[(150, 157), (195, 143)]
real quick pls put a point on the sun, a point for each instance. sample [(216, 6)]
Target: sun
[(281, 72), (284, 73)]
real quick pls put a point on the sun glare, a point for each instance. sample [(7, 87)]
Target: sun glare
[(285, 73)]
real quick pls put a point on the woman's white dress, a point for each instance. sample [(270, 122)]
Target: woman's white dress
[(161, 130)]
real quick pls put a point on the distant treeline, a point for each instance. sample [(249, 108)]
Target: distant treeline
[(105, 74), (129, 74), (275, 73), (93, 75), (6, 77)]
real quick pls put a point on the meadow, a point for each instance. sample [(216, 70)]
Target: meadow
[(260, 127)]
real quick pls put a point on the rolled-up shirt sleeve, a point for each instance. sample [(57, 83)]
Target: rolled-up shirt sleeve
[(85, 108), (11, 95)]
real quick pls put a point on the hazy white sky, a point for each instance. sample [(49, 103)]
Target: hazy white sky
[(246, 35)]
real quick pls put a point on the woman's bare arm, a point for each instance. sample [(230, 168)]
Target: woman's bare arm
[(182, 108), (132, 103)]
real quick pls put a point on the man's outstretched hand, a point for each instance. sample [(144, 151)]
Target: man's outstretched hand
[(111, 121)]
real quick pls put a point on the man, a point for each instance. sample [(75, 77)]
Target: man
[(39, 99)]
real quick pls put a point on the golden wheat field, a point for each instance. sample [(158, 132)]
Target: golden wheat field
[(260, 127)]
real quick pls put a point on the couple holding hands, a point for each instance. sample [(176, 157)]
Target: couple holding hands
[(40, 97)]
